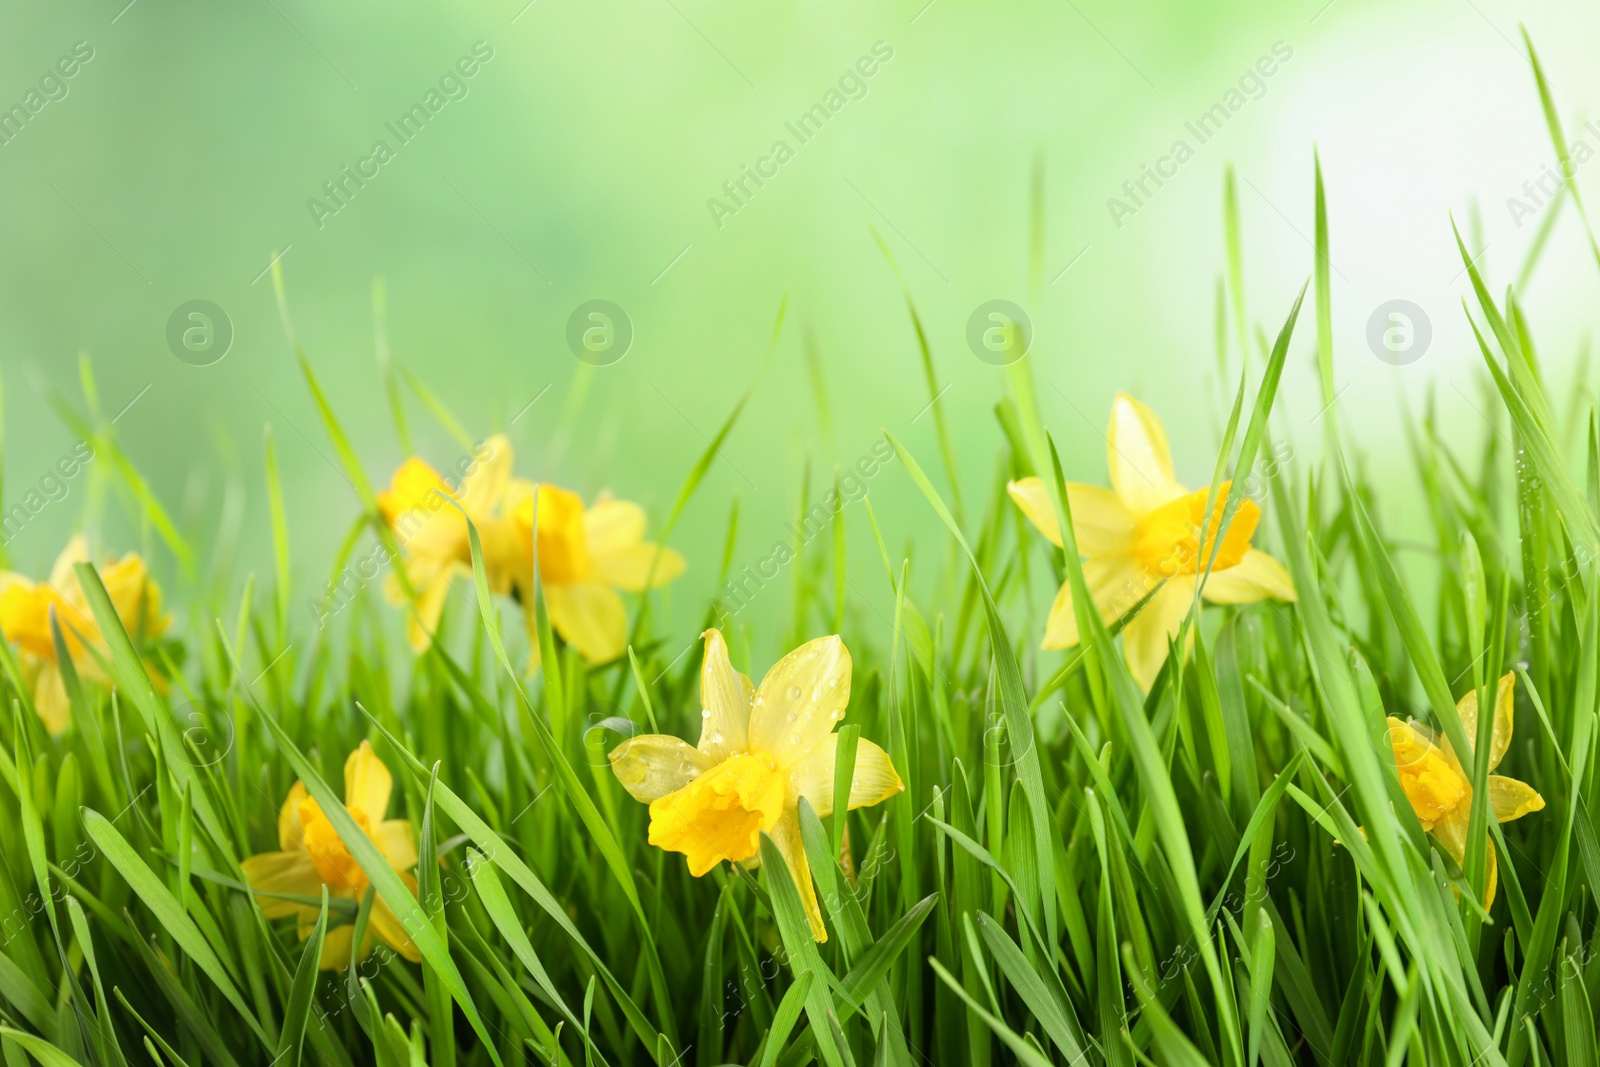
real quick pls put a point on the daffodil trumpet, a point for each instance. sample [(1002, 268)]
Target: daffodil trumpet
[(1439, 786), (761, 750), (1150, 540)]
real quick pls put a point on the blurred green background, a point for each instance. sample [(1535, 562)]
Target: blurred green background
[(577, 162)]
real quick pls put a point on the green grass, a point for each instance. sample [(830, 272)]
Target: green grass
[(1223, 870)]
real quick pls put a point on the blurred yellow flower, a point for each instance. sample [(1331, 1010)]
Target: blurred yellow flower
[(313, 856), (1440, 789), (760, 751), (585, 556), (26, 607), (433, 534), (1142, 534)]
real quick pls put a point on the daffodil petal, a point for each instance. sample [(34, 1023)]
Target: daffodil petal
[(1099, 519), (1512, 799), (652, 765), (873, 781), (725, 697), (1139, 457), (291, 834), (1256, 577), (1146, 637), (415, 506), (786, 835), (61, 572), (483, 486), (1500, 737), (367, 783), (50, 698), (397, 841), (1451, 833), (291, 873), (422, 619), (590, 616), (800, 699), (630, 568), (336, 946), (612, 525), (387, 925), (1115, 583)]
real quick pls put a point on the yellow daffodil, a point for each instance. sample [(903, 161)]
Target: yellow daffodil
[(433, 534), (313, 856), (760, 751), (1142, 535), (26, 608), (586, 555), (1440, 789)]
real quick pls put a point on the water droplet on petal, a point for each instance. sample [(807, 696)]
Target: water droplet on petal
[(794, 692), (705, 713)]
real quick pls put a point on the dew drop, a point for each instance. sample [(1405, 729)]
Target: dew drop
[(705, 713), (794, 739), (794, 692), (716, 737)]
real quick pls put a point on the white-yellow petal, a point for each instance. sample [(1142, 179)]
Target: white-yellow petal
[(50, 698), (590, 617), (632, 567), (1500, 738), (1146, 637), (652, 765), (611, 525), (1139, 457), (367, 784), (288, 873), (725, 697), (1099, 518), (398, 842), (873, 781), (62, 576), (482, 487), (800, 699), (786, 835), (1512, 799), (1256, 577), (1116, 583)]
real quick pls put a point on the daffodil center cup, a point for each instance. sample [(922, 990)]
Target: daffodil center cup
[(335, 865), (1167, 541), (721, 814), (560, 537)]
